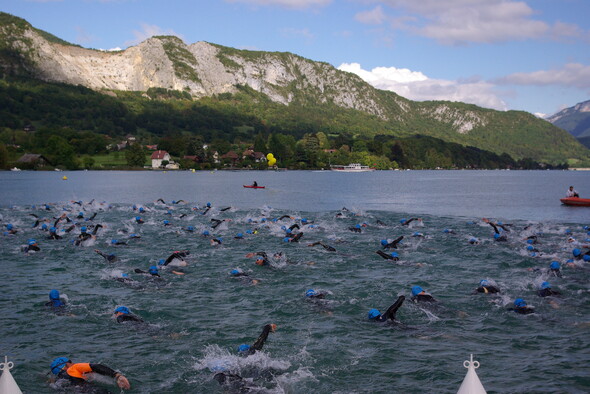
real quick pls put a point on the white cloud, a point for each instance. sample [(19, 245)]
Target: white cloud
[(285, 3), (414, 85), (148, 31), (574, 75), (453, 22)]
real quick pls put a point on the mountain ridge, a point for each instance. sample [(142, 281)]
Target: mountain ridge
[(204, 70)]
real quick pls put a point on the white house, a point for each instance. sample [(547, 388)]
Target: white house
[(159, 156)]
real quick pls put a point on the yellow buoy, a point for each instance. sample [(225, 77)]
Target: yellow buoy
[(65, 178)]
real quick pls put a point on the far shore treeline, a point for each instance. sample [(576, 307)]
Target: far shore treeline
[(74, 127)]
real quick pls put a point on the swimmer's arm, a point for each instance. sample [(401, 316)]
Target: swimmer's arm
[(392, 310), (262, 338)]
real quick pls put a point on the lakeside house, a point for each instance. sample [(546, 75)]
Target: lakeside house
[(32, 160), (158, 157)]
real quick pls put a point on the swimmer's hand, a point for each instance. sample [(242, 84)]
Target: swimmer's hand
[(250, 255), (273, 327), (122, 382)]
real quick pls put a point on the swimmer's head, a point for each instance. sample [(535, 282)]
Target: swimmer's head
[(519, 303), (137, 218), (586, 258), (124, 275), (416, 290), (166, 222), (190, 228), (9, 226), (58, 364), (259, 261), (402, 221), (44, 226), (555, 265), (153, 270), (240, 235), (235, 271), (484, 282), (54, 295), (31, 242), (373, 314), (384, 242), (83, 229), (545, 285), (122, 309), (576, 252), (81, 214), (52, 230), (141, 210), (304, 220), (161, 262), (243, 348), (114, 241), (496, 236), (286, 239), (311, 293), (394, 255), (208, 205), (446, 230), (568, 231), (472, 240), (205, 232), (530, 241), (530, 248), (357, 226)]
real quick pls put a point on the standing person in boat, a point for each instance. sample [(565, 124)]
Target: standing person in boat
[(64, 368), (571, 192)]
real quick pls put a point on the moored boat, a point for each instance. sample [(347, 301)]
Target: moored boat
[(576, 201), (352, 167)]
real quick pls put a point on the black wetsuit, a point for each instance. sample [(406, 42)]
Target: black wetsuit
[(391, 311), (423, 298), (355, 229), (296, 238), (54, 236), (108, 257), (216, 222), (284, 217), (407, 222), (387, 256), (28, 248), (260, 341), (393, 244), (523, 310), (125, 317), (487, 289), (548, 292), (327, 247), (176, 255), (294, 226)]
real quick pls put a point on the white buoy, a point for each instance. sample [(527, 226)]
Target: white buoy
[(471, 384), (7, 383)]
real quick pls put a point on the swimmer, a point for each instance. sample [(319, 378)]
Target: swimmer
[(356, 228), (546, 290), (206, 209), (153, 271), (407, 222), (315, 295), (380, 223), (239, 236), (178, 202), (224, 209), (217, 222), (419, 295), (486, 287), (473, 241), (555, 269), (178, 255), (76, 373), (215, 241), (161, 201), (62, 217), (123, 314), (296, 238), (139, 220), (392, 244), (327, 247), (285, 217), (247, 350), (391, 256), (111, 258), (238, 273), (53, 234), (116, 242), (10, 230), (55, 301), (375, 315), (521, 307), (31, 246), (495, 225)]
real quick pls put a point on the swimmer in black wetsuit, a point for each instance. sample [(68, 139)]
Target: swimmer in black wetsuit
[(111, 258), (31, 246), (177, 255), (53, 234), (217, 222), (356, 228), (238, 273), (122, 314), (392, 244), (10, 230), (247, 350), (312, 294), (391, 256), (327, 247), (294, 226), (296, 238), (486, 287), (153, 271), (55, 302), (206, 209), (75, 374), (405, 222), (547, 291), (285, 217), (161, 200), (419, 295), (375, 315), (555, 269), (521, 307)]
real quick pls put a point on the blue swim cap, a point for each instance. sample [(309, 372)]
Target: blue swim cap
[(286, 239), (240, 235), (568, 231), (284, 228), (9, 226), (44, 226), (496, 236), (576, 252), (394, 254), (288, 231), (586, 257), (161, 262), (83, 229), (472, 239), (263, 220), (122, 309), (545, 285), (124, 275), (205, 232), (484, 282), (417, 234), (166, 222), (519, 303), (303, 220), (190, 228), (113, 241), (243, 348), (81, 214), (54, 295), (446, 230), (138, 218), (310, 293), (416, 290), (530, 247), (141, 209), (209, 205), (32, 242), (249, 232), (153, 270), (235, 271), (402, 221), (554, 265), (373, 314), (357, 226), (52, 230), (384, 242), (529, 241), (58, 364)]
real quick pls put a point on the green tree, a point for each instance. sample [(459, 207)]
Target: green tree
[(88, 162), (61, 152), (3, 156), (135, 155)]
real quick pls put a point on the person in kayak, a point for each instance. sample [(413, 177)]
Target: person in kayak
[(486, 287), (123, 314), (571, 192), (247, 350), (255, 184), (75, 373), (375, 315)]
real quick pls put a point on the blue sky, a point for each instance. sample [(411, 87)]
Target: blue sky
[(531, 55)]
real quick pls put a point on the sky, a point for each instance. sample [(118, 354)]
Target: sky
[(531, 55)]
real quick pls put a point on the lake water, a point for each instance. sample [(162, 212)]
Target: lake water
[(195, 322)]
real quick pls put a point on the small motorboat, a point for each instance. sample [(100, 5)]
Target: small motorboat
[(576, 201), (254, 187)]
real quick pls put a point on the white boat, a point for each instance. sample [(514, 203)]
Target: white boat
[(471, 383), (352, 167), (7, 383), (15, 169)]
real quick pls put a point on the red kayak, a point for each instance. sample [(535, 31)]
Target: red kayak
[(576, 201), (254, 187)]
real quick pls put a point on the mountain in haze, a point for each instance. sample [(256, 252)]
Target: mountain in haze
[(575, 120), (204, 70)]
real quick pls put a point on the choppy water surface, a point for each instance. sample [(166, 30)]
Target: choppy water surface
[(196, 321)]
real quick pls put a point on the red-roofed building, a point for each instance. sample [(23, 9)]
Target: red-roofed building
[(159, 156)]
